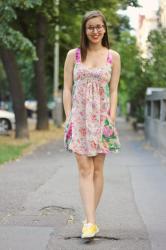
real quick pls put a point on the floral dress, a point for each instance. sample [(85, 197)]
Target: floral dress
[(88, 129)]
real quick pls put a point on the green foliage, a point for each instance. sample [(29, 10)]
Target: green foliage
[(155, 65), (9, 37), (131, 85), (137, 73), (24, 4), (139, 114), (27, 74), (3, 83), (7, 13)]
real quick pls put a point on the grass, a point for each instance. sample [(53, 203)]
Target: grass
[(11, 148), (10, 152)]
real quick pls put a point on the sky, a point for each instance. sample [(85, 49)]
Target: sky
[(146, 9)]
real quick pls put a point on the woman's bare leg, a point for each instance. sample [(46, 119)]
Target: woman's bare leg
[(98, 161), (86, 174)]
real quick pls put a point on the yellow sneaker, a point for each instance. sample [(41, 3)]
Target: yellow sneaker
[(89, 230)]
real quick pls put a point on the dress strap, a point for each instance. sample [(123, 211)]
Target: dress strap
[(109, 58), (78, 55)]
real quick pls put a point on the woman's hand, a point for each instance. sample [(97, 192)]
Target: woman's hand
[(67, 117), (112, 121)]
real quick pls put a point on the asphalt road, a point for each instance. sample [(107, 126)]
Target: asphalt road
[(40, 206)]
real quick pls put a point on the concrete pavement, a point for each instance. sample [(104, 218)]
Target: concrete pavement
[(40, 206)]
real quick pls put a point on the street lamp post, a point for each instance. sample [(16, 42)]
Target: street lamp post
[(58, 111)]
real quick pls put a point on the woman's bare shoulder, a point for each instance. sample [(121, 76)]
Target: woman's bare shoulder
[(71, 54), (115, 54)]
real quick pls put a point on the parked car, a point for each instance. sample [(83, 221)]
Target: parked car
[(31, 107), (7, 121)]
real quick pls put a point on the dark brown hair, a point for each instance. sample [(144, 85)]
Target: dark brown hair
[(84, 43)]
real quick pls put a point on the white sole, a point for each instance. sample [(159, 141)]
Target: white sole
[(90, 235)]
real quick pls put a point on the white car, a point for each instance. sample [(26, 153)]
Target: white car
[(7, 121)]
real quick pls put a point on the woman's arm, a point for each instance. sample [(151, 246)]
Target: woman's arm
[(116, 68), (68, 81)]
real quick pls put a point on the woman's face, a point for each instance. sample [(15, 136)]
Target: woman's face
[(95, 30)]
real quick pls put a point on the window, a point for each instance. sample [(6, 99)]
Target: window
[(156, 110), (148, 108), (164, 110)]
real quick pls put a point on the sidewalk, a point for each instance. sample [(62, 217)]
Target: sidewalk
[(40, 206)]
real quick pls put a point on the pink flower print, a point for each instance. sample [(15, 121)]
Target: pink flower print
[(107, 131), (78, 75), (101, 90), (102, 118), (110, 59), (69, 132), (82, 131), (103, 80), (93, 144), (115, 132), (93, 117), (78, 55), (83, 102), (105, 146), (104, 106)]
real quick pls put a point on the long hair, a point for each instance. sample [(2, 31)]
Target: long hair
[(84, 43)]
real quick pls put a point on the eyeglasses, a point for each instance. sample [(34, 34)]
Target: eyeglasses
[(97, 27)]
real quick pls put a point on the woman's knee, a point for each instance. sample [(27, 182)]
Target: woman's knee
[(86, 166), (98, 165), (98, 171), (86, 172)]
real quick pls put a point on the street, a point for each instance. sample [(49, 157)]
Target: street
[(40, 205)]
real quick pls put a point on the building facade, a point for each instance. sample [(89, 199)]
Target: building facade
[(147, 22), (162, 13)]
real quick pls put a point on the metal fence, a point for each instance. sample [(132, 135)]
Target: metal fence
[(155, 119)]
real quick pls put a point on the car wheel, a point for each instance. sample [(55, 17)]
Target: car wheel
[(5, 125)]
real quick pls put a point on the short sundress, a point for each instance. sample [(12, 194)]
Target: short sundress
[(88, 129)]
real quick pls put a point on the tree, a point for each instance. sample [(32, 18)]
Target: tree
[(42, 121), (132, 85), (12, 40), (155, 65), (12, 72), (37, 25), (15, 7)]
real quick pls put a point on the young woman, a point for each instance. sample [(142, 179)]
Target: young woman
[(90, 107)]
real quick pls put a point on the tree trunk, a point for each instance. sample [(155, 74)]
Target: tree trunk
[(16, 90), (41, 90)]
